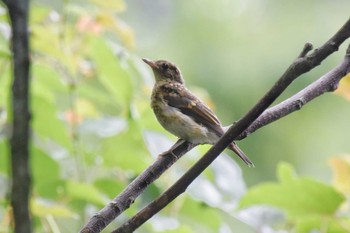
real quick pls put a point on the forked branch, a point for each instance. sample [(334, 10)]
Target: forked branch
[(302, 64)]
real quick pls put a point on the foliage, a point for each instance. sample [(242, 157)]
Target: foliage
[(84, 123), (93, 132), (309, 205), (344, 87)]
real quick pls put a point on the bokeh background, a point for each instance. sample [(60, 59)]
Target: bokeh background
[(234, 51), (94, 131)]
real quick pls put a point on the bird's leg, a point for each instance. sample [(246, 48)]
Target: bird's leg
[(170, 151)]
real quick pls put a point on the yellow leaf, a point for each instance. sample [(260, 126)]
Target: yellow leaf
[(344, 87), (125, 32), (341, 170), (115, 5), (86, 108)]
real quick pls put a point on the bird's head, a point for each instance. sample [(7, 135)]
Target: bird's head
[(165, 70)]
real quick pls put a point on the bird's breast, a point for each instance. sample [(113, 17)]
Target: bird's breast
[(179, 124)]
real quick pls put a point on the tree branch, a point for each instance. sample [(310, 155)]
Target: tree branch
[(301, 65), (326, 83), (122, 202), (19, 142)]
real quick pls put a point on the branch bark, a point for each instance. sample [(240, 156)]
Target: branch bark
[(328, 82), (122, 202), (19, 142), (302, 64)]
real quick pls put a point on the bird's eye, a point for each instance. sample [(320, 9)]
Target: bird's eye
[(165, 66)]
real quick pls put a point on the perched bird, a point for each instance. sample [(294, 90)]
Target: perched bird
[(182, 113)]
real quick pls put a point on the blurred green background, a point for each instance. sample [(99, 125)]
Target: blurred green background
[(94, 131), (235, 50)]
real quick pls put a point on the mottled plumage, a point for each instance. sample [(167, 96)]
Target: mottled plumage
[(182, 113)]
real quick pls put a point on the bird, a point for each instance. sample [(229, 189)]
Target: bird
[(182, 113)]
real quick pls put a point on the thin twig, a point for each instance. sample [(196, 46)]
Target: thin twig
[(307, 48)]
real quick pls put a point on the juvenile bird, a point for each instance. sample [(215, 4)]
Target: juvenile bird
[(182, 113)]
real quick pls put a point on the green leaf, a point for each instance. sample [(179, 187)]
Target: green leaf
[(126, 150), (181, 229), (43, 166), (110, 187), (298, 196), (39, 14), (317, 223), (42, 209), (5, 85), (46, 83), (96, 93), (46, 174), (46, 123), (45, 39), (4, 156), (5, 53), (116, 5), (285, 172), (110, 72), (197, 213), (52, 190), (85, 192)]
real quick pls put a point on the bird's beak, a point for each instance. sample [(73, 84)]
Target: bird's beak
[(152, 64)]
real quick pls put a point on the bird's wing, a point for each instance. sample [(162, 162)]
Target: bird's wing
[(181, 98)]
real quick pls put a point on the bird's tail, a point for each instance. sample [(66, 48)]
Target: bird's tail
[(240, 154)]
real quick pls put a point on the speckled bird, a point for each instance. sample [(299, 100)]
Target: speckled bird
[(182, 113)]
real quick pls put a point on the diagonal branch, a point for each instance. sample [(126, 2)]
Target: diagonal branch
[(299, 66), (302, 64), (122, 202), (328, 82)]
